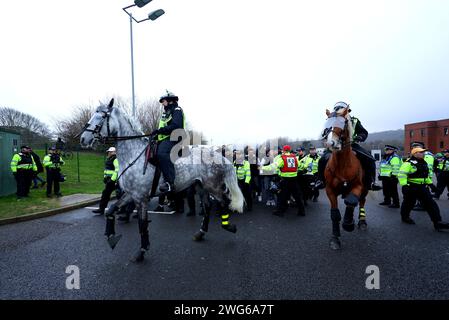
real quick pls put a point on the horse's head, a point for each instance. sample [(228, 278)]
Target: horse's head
[(336, 133), (100, 126)]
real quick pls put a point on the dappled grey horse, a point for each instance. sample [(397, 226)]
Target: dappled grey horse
[(202, 166)]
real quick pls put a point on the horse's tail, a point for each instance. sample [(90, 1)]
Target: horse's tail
[(230, 179)]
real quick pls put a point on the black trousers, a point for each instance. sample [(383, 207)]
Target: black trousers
[(109, 187), (246, 190), (390, 190), (23, 181), (165, 163), (289, 186), (53, 180), (419, 192), (307, 190), (442, 182)]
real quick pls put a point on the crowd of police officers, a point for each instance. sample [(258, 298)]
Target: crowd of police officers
[(26, 165)]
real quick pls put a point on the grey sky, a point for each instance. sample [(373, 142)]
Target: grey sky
[(245, 70)]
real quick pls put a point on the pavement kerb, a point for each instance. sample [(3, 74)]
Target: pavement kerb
[(50, 212)]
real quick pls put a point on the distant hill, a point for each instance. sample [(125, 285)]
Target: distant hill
[(376, 140), (390, 135)]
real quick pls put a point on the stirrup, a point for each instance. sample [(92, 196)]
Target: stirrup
[(166, 188)]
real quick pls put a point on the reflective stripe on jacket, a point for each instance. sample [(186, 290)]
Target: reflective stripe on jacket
[(286, 162), (111, 168), (414, 171), (48, 163), (243, 171), (390, 166), (21, 161)]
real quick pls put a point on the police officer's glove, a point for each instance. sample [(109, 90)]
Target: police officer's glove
[(155, 132), (358, 139), (106, 179)]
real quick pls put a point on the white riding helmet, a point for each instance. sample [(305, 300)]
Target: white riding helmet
[(339, 105), (169, 96), (111, 149)]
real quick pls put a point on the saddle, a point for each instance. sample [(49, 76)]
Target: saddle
[(151, 154)]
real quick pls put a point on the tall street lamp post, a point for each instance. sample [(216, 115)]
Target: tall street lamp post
[(151, 16)]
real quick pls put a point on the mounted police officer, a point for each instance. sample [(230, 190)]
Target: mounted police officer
[(52, 163), (414, 178), (389, 170), (172, 119), (111, 168), (360, 134), (23, 168)]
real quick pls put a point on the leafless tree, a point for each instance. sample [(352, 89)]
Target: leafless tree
[(12, 118), (67, 129)]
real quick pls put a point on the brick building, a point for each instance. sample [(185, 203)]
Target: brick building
[(434, 134)]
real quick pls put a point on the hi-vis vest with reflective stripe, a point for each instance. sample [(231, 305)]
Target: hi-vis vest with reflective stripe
[(428, 157), (309, 164), (354, 122), (165, 119), (288, 165), (409, 173), (47, 163), (111, 168), (243, 171), (22, 162), (390, 166), (444, 165)]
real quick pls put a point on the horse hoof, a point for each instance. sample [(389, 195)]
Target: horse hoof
[(348, 226), (335, 243), (113, 240), (362, 225), (199, 236), (230, 227), (139, 257)]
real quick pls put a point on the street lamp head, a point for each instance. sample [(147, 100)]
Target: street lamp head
[(155, 14), (141, 3)]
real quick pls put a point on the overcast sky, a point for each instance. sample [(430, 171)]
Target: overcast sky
[(245, 70)]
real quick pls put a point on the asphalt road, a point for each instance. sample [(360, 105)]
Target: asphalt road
[(268, 258)]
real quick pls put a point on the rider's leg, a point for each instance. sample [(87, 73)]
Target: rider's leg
[(321, 167), (166, 165), (369, 166)]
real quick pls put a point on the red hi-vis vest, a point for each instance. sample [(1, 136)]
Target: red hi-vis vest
[(290, 163)]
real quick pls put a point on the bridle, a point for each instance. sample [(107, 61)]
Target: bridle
[(108, 138), (343, 140), (97, 129)]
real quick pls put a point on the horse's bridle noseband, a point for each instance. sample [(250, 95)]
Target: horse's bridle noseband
[(344, 143), (96, 131)]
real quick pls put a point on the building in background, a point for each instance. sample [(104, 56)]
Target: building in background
[(10, 142), (434, 134)]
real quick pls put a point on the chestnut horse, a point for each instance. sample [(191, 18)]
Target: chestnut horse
[(343, 175)]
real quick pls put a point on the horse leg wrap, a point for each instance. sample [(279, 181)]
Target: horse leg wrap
[(348, 220), (336, 218), (144, 237), (110, 225), (226, 225), (205, 222), (351, 200), (362, 214)]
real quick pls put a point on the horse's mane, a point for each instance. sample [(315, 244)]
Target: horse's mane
[(132, 122), (350, 128)]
